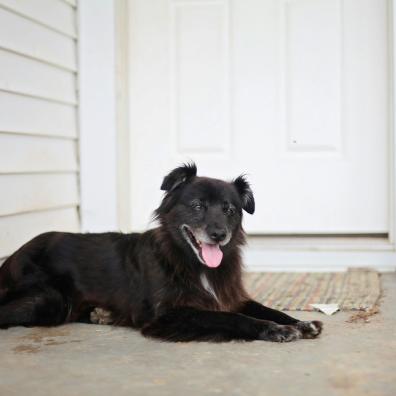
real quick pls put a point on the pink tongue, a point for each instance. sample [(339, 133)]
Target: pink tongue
[(212, 255)]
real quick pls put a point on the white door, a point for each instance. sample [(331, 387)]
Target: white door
[(292, 92)]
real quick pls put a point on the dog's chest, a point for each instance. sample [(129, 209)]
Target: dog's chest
[(208, 286)]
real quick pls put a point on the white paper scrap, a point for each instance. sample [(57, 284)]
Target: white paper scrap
[(328, 309)]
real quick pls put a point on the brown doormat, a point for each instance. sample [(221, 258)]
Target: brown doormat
[(351, 290)]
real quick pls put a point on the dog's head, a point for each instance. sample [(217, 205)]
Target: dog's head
[(204, 215)]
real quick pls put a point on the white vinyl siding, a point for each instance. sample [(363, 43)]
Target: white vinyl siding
[(18, 229), (38, 120)]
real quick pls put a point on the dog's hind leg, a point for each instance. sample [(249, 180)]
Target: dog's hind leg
[(189, 324), (38, 306), (256, 310)]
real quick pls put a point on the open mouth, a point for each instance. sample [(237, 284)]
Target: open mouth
[(209, 254)]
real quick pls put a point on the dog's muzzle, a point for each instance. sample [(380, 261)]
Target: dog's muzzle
[(207, 251)]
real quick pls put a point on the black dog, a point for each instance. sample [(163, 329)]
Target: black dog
[(178, 282)]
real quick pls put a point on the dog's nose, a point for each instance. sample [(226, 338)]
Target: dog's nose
[(218, 236)]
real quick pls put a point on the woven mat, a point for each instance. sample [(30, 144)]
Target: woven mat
[(351, 290)]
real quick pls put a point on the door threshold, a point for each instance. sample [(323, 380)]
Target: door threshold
[(313, 253), (328, 242)]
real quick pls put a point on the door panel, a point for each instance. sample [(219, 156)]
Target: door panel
[(292, 92)]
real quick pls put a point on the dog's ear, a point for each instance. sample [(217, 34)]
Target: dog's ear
[(245, 192), (179, 176)]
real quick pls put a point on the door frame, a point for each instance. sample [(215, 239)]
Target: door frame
[(97, 115), (261, 255)]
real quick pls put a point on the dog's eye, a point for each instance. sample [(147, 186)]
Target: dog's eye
[(229, 210)]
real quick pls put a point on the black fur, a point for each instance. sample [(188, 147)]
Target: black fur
[(178, 176), (244, 190), (152, 281)]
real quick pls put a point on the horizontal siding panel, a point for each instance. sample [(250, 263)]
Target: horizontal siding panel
[(27, 76), (24, 36), (27, 193), (58, 15), (22, 154), (24, 114), (19, 229)]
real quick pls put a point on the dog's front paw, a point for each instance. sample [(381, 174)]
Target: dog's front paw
[(310, 329), (280, 333)]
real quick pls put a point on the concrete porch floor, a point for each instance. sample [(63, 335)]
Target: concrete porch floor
[(348, 359)]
